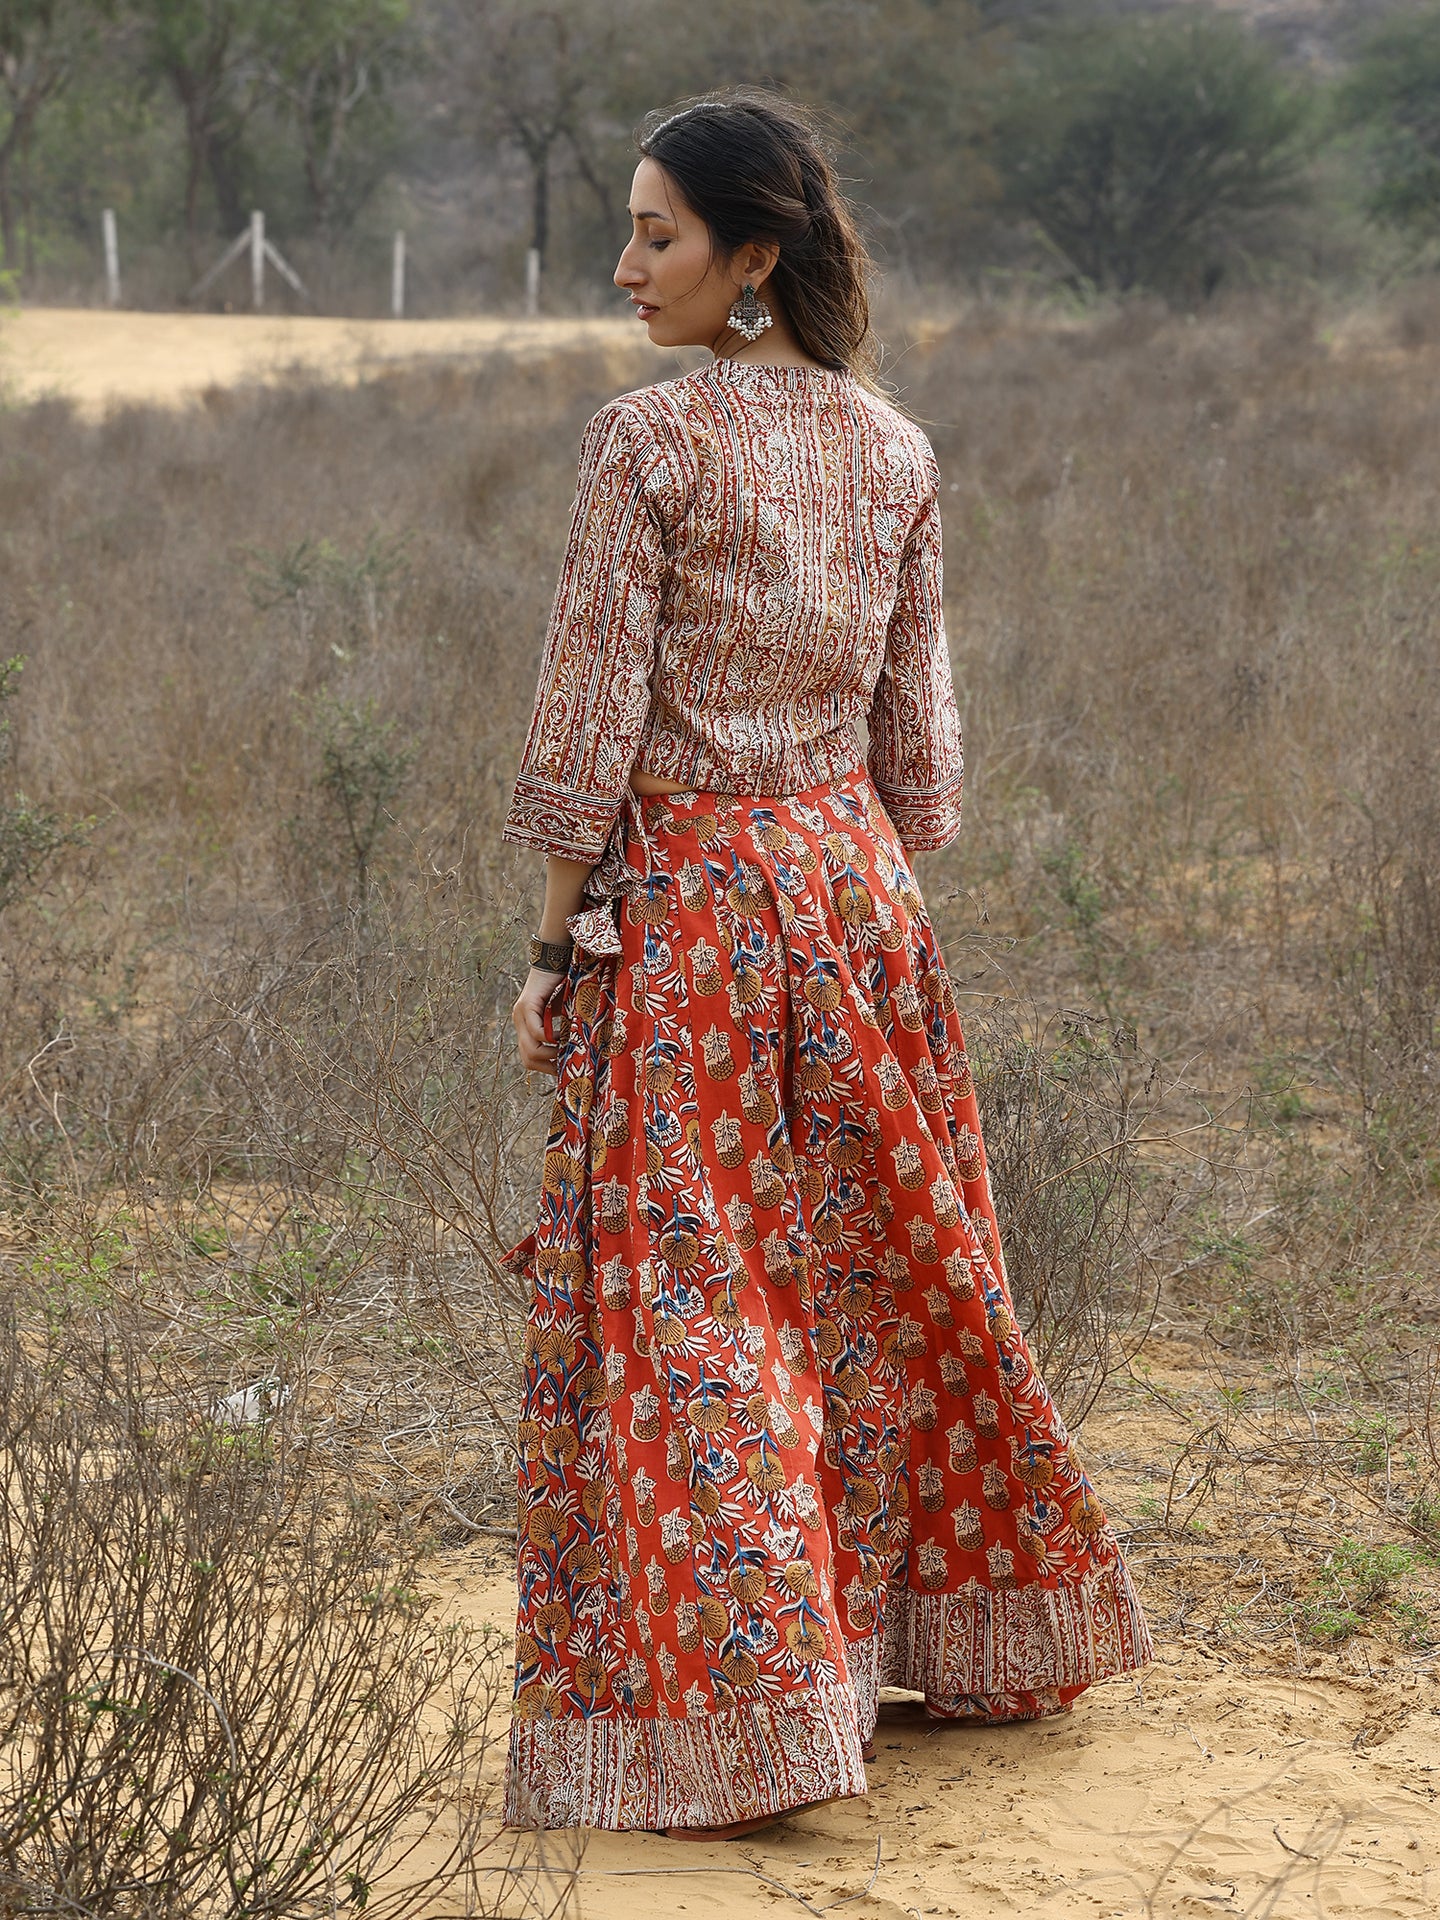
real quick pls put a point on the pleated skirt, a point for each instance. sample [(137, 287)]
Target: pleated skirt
[(782, 1440)]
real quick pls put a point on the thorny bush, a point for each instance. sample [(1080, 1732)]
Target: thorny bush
[(222, 1689)]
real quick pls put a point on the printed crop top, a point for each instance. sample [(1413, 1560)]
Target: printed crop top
[(753, 568)]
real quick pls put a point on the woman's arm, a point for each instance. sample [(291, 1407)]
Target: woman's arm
[(594, 687), (593, 694), (915, 756), (564, 889)]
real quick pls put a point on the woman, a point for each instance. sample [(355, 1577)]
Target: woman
[(782, 1440)]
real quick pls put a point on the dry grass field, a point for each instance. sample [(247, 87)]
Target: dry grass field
[(260, 1129)]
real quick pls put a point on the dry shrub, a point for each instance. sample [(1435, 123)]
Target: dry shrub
[(1068, 1109), (355, 1080), (1369, 1241), (1192, 579), (247, 649), (222, 1690), (1385, 953), (360, 1066)]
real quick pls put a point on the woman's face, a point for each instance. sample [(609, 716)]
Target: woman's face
[(675, 286)]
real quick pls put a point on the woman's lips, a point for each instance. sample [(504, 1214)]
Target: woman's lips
[(642, 311)]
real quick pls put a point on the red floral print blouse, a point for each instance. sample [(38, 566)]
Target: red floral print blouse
[(753, 569)]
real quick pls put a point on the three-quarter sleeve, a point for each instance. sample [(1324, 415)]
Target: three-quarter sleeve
[(914, 755), (595, 672)]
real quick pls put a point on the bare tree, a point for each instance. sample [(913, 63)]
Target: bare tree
[(538, 76)]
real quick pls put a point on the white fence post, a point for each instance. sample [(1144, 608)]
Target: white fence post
[(252, 240), (397, 279), (112, 256), (532, 282)]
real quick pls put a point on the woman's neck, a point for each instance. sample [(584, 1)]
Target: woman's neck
[(776, 347)]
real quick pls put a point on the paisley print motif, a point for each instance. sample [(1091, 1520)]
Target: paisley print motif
[(782, 1440), (753, 569)]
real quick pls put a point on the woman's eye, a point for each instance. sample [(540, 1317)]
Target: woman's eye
[(659, 246)]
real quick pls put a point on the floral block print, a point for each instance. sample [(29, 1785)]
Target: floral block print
[(783, 1443)]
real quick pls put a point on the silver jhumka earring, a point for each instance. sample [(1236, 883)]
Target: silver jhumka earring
[(750, 315)]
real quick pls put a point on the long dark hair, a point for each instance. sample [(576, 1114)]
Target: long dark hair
[(756, 166)]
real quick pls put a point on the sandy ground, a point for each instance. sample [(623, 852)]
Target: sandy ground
[(98, 359), (1249, 1771), (1209, 1786)]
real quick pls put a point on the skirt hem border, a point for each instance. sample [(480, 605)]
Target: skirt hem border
[(981, 1654)]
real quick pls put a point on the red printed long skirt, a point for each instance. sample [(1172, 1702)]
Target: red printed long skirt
[(782, 1440)]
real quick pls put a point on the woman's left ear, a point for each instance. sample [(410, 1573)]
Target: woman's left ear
[(759, 262)]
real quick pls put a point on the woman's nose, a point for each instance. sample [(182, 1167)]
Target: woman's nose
[(627, 274)]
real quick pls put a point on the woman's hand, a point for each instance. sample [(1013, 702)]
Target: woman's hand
[(537, 1054)]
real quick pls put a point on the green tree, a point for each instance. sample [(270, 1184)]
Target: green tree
[(328, 63), (563, 85), (1393, 95), (1140, 146), (204, 51), (39, 42), (909, 83)]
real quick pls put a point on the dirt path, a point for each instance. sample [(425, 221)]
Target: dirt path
[(97, 358), (1213, 1787)]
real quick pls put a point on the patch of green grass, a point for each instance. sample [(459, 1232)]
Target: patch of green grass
[(1424, 1517), (1149, 1507), (1279, 1097), (1357, 1583), (74, 1276), (1415, 1625), (1373, 1435), (1232, 1247), (1327, 1622)]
